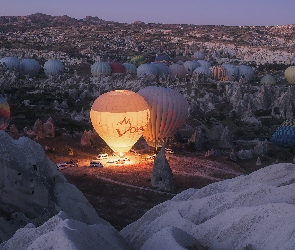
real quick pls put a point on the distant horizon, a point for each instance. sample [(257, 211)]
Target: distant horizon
[(195, 12)]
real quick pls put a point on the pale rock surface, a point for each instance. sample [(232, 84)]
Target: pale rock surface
[(254, 211), (62, 232), (32, 190)]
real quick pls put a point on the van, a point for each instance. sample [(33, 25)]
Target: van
[(102, 156), (96, 163)]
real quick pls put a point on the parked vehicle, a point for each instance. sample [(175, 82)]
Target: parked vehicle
[(61, 166), (73, 163), (96, 163), (102, 156), (169, 151)]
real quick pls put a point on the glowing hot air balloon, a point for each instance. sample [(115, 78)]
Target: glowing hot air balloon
[(120, 117), (169, 110), (4, 113)]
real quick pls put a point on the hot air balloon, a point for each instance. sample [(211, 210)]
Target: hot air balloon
[(53, 67), (162, 58), (177, 70), (231, 70), (101, 68), (290, 74), (204, 63), (268, 79), (117, 68), (190, 66), (169, 110), (30, 67), (138, 60), (284, 136), (163, 69), (120, 117), (146, 69), (203, 70), (4, 113), (10, 62), (130, 68), (218, 73), (245, 72)]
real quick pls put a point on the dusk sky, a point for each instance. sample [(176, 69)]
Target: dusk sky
[(218, 12)]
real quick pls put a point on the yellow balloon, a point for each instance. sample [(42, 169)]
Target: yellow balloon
[(290, 74), (120, 118)]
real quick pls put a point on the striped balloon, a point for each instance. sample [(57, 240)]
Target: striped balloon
[(169, 110), (130, 68), (4, 113), (218, 73), (101, 68)]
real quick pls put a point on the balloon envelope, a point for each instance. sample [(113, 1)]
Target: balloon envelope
[(147, 69), (101, 68), (290, 74), (268, 79), (218, 73), (4, 113), (29, 67), (117, 68), (130, 68), (169, 110), (285, 135), (177, 70), (138, 60), (120, 117), (10, 62), (53, 67)]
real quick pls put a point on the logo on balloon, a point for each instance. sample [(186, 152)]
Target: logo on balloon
[(131, 129)]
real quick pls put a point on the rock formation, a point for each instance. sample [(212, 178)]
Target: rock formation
[(198, 138), (226, 138), (32, 190), (254, 211), (162, 176), (86, 138)]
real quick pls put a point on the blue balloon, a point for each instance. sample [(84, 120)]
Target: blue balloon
[(284, 136)]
